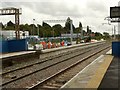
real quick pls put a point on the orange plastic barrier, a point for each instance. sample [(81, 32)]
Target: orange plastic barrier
[(44, 44), (49, 45), (62, 43)]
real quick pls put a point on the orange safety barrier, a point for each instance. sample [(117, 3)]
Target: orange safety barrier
[(53, 45), (62, 43), (44, 44), (49, 45)]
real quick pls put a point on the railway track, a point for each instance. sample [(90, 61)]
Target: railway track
[(10, 76), (60, 78), (66, 58), (36, 61)]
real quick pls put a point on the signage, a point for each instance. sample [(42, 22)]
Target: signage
[(115, 12)]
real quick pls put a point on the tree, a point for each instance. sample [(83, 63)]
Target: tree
[(68, 26), (10, 26), (33, 29), (10, 23), (79, 30), (80, 26), (106, 35), (57, 30), (98, 36), (89, 31), (84, 33), (47, 29), (1, 25), (39, 27)]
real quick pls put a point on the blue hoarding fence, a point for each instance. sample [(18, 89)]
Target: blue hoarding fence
[(3, 46), (116, 48), (13, 45)]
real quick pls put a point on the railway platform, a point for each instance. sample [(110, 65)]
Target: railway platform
[(101, 73), (7, 55), (38, 53), (8, 59)]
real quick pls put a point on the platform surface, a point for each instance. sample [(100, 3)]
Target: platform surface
[(15, 54), (92, 75), (111, 77)]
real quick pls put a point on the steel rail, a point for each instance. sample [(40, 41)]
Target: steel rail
[(39, 62), (63, 70), (41, 69)]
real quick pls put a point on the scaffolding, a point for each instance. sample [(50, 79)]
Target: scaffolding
[(16, 12)]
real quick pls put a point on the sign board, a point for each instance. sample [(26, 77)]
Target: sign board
[(115, 21), (115, 12)]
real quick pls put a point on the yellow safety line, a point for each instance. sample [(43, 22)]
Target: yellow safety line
[(97, 78)]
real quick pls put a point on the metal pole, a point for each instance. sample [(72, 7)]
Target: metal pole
[(17, 23), (81, 33), (33, 27), (114, 33), (71, 31), (38, 30)]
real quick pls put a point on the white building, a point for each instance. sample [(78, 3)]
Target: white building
[(10, 34)]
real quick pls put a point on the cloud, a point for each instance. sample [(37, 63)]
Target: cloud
[(96, 5), (48, 8), (56, 9), (89, 12), (97, 8)]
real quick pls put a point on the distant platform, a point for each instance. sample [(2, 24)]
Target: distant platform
[(15, 54)]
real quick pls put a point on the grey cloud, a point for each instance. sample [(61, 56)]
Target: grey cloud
[(10, 4), (56, 9), (97, 8), (48, 8), (96, 5)]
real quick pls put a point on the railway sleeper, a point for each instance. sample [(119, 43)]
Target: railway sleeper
[(54, 84), (47, 87), (60, 81)]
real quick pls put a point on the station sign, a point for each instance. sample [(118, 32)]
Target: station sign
[(115, 12)]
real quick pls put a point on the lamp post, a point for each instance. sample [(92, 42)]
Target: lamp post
[(71, 30), (38, 30), (33, 27), (113, 29), (114, 32)]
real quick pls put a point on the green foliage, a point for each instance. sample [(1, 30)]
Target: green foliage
[(10, 26), (1, 25), (57, 30), (45, 30), (68, 26), (80, 26), (88, 30), (10, 23), (98, 36), (106, 36)]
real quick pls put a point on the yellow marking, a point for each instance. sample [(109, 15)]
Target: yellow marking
[(97, 78)]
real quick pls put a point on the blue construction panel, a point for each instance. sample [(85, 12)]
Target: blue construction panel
[(116, 48), (3, 46), (17, 45)]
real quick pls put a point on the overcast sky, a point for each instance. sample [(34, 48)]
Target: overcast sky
[(89, 12)]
